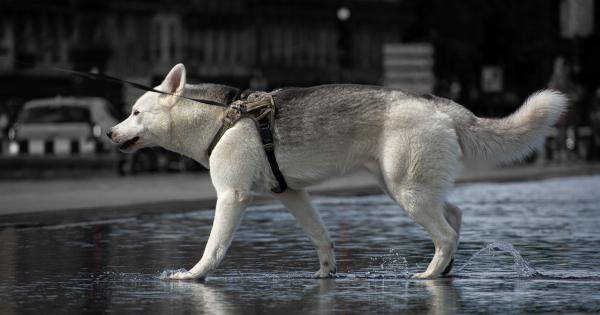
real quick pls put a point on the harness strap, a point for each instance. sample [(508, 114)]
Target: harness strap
[(262, 111)]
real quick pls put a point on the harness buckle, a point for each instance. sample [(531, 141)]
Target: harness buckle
[(238, 106)]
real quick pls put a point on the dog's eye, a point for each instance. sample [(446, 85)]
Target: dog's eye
[(136, 112)]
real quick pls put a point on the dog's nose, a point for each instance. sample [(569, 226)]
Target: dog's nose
[(109, 134)]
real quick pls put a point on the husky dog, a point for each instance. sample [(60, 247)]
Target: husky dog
[(412, 144)]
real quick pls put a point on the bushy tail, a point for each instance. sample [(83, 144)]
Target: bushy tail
[(514, 137)]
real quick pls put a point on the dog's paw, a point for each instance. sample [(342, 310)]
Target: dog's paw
[(180, 274), (421, 275), (325, 273)]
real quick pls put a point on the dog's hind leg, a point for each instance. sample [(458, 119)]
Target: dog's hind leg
[(298, 203), (453, 216), (418, 169), (228, 214), (425, 207), (452, 213)]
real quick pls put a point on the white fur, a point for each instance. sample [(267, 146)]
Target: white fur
[(514, 137), (414, 151)]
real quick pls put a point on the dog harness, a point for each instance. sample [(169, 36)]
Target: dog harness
[(259, 107)]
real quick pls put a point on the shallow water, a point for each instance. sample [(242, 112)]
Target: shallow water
[(525, 247)]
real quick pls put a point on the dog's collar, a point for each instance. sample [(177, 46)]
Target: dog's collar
[(259, 107)]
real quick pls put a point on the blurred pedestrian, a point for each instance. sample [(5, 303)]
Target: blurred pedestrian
[(4, 122), (595, 124)]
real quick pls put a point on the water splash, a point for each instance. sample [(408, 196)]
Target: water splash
[(521, 266), (390, 265)]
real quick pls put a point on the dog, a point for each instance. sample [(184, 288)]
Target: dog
[(414, 145)]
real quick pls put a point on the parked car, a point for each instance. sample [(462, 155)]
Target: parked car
[(63, 126), (75, 127)]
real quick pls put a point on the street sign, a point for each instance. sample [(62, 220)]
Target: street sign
[(576, 18)]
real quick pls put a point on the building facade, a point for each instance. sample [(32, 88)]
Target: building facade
[(246, 43), (268, 44)]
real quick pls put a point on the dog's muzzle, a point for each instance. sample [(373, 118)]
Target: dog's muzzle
[(129, 143)]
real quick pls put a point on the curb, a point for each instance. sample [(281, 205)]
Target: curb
[(48, 218)]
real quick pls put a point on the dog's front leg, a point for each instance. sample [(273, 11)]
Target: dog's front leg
[(228, 214), (298, 203)]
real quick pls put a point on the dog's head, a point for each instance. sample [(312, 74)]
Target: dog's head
[(150, 121)]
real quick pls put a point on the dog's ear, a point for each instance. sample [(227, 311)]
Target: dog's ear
[(174, 82)]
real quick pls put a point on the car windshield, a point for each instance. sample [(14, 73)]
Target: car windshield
[(56, 114)]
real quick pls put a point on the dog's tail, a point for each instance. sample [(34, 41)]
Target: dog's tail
[(514, 137)]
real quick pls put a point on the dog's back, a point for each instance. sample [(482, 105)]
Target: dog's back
[(334, 126), (343, 117), (335, 111)]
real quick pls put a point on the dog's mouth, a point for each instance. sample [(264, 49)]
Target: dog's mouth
[(129, 143)]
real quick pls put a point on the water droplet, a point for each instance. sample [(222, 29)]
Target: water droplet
[(521, 266), (390, 265)]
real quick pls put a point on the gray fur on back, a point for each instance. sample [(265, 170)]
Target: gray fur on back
[(337, 112)]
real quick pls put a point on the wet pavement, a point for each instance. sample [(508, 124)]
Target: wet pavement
[(525, 247)]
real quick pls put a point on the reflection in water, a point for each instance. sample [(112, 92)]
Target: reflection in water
[(212, 298), (320, 296), (443, 296), (205, 298), (114, 266)]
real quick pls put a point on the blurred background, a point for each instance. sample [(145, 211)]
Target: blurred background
[(57, 166), (487, 55)]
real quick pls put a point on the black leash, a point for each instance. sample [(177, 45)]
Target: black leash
[(99, 76)]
